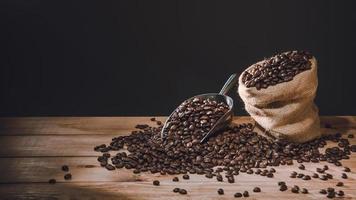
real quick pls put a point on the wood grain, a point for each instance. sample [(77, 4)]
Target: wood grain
[(34, 149)]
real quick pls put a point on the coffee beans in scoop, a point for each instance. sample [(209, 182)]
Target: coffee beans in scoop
[(277, 69), (193, 119)]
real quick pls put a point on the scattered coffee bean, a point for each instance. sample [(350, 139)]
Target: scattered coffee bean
[(323, 177), (344, 176), (295, 189), (153, 119), (322, 191), (237, 195), (219, 178), (186, 176), (109, 167), (300, 175), (256, 189), (231, 179), (301, 167), (220, 191), (281, 183), (52, 181), (68, 176), (304, 191), (182, 191), (306, 177), (346, 169), (269, 175), (325, 167), (341, 193), (272, 170), (65, 168), (339, 184), (330, 195), (315, 175), (283, 188), (175, 190), (277, 69), (175, 179), (350, 136), (245, 194), (156, 182), (329, 176)]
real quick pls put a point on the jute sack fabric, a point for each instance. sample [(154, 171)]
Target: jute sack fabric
[(285, 110)]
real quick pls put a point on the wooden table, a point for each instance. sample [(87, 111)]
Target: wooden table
[(33, 149)]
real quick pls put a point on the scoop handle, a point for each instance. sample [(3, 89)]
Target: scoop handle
[(230, 83)]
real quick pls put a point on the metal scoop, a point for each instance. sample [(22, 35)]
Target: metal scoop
[(218, 97)]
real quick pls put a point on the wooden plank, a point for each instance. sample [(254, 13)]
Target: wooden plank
[(70, 125), (27, 178), (66, 145), (143, 190), (87, 169), (110, 125)]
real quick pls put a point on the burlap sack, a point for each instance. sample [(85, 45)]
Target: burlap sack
[(286, 110)]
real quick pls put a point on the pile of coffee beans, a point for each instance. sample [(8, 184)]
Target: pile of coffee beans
[(277, 69), (193, 119), (235, 150)]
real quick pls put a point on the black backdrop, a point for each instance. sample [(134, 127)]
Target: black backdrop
[(144, 57)]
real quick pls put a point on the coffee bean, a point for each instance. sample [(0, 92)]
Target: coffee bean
[(231, 179), (245, 194), (301, 166), (304, 191), (346, 169), (283, 188), (323, 177), (183, 191), (340, 184), (295, 189), (330, 195), (322, 191), (220, 191), (52, 181), (237, 195), (281, 183), (109, 167), (325, 167), (153, 119), (269, 175), (219, 178), (344, 176), (68, 176), (315, 175), (186, 176), (175, 190), (256, 189), (306, 177), (341, 193), (272, 170), (65, 168), (156, 182), (175, 179), (300, 175), (350, 136)]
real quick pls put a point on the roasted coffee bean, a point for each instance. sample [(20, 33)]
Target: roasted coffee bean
[(277, 69), (344, 176), (315, 175), (346, 169), (300, 175), (301, 167), (175, 190), (319, 170), (294, 173), (68, 176), (350, 136), (281, 183), (339, 184), (65, 168), (323, 177), (237, 195), (330, 195), (341, 193), (175, 179), (304, 191), (182, 191), (329, 176), (295, 189), (269, 175), (283, 188), (272, 170), (306, 177), (219, 178), (153, 119), (109, 167), (220, 191), (322, 191), (209, 175), (231, 179), (325, 167), (245, 194), (52, 181), (156, 182), (186, 176), (256, 189)]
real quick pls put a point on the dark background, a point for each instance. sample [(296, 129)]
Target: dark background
[(145, 57)]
